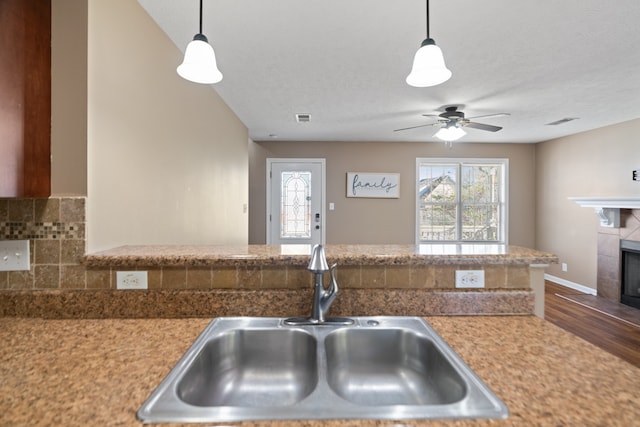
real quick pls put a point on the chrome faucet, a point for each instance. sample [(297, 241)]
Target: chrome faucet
[(322, 297)]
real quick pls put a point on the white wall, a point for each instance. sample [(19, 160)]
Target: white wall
[(167, 159)]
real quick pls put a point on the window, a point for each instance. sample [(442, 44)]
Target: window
[(461, 200)]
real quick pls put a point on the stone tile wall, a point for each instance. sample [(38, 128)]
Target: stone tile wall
[(348, 276), (55, 228), (609, 280)]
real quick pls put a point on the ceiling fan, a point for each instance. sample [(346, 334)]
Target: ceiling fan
[(452, 119)]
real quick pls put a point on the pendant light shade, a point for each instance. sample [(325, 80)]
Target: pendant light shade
[(428, 68), (450, 133), (199, 64)]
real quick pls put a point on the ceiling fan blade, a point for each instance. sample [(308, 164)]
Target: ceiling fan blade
[(489, 115), (482, 126), (414, 127), (431, 115)]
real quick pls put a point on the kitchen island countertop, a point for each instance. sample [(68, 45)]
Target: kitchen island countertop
[(247, 255), (99, 372)]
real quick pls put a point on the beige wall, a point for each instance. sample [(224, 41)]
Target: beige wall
[(597, 163), (386, 221), (69, 97), (167, 158)]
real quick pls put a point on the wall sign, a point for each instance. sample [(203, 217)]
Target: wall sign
[(378, 185)]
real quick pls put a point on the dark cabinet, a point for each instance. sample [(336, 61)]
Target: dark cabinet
[(25, 98)]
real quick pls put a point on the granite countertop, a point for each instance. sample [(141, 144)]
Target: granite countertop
[(247, 255), (99, 372)]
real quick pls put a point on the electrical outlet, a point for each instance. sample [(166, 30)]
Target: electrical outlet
[(131, 279), (469, 278), (14, 255), (564, 266)]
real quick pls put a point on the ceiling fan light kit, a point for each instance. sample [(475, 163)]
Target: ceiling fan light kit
[(452, 121), (199, 64), (428, 68), (450, 133)]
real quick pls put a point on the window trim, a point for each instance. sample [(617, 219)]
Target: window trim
[(504, 208)]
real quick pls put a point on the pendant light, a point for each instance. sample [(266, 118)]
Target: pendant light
[(428, 64), (199, 64)]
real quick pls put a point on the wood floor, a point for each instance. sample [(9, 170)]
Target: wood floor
[(610, 332)]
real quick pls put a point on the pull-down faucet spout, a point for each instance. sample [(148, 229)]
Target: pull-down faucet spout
[(322, 297)]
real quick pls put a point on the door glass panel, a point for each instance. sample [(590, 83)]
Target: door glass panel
[(295, 221)]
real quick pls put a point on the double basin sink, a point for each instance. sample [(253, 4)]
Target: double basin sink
[(387, 368)]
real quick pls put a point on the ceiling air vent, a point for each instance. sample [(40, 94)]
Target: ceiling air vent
[(303, 117), (561, 121)]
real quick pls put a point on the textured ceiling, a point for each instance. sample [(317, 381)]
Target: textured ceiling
[(345, 61)]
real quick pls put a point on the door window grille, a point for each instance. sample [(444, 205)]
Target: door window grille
[(295, 205)]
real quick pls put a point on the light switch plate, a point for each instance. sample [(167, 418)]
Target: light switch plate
[(131, 280), (14, 255), (469, 278)]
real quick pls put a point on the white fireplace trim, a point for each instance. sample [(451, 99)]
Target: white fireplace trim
[(607, 208)]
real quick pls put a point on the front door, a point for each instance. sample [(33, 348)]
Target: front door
[(295, 201)]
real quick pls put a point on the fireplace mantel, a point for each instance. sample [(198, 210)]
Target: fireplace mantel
[(608, 208)]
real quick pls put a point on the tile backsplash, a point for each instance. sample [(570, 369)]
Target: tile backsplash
[(55, 228)]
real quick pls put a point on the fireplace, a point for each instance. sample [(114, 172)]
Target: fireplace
[(619, 222), (630, 274)]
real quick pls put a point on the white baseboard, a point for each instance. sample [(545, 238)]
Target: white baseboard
[(572, 285)]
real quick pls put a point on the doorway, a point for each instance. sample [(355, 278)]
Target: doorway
[(295, 201)]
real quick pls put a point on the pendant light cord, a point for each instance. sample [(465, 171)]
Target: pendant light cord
[(427, 18), (201, 17)]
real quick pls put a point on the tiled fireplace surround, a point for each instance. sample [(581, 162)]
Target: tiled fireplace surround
[(609, 270)]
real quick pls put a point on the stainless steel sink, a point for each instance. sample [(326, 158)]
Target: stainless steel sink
[(388, 368), (374, 367), (272, 367)]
